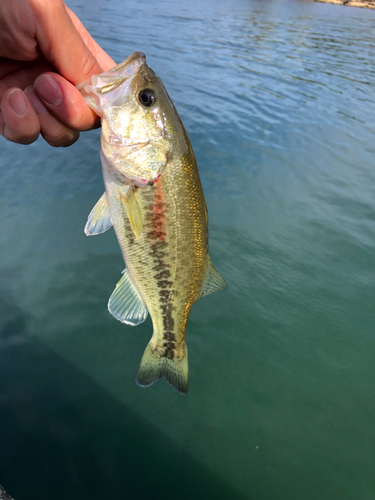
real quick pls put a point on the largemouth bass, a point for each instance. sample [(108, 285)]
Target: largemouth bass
[(155, 202)]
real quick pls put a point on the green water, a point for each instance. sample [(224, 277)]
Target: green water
[(278, 99)]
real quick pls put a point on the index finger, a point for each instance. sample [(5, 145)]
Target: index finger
[(61, 43), (105, 61)]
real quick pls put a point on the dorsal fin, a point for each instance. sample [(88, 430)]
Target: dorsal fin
[(99, 219), (213, 282), (125, 303)]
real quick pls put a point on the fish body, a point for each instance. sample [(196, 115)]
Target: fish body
[(4, 495), (155, 202)]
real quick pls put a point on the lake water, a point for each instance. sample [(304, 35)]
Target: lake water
[(278, 99)]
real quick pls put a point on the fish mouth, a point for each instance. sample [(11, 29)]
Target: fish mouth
[(116, 76), (134, 60), (110, 80)]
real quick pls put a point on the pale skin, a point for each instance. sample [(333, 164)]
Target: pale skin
[(44, 52)]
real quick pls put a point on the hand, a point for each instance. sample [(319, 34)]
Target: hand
[(44, 52)]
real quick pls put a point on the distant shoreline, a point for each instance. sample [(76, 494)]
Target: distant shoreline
[(367, 4)]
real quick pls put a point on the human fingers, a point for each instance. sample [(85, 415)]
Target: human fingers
[(20, 74), (104, 60), (53, 131), (61, 44), (17, 41), (19, 121), (65, 102)]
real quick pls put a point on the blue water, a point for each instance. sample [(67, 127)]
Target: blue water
[(278, 99)]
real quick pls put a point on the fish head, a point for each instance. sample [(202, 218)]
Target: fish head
[(139, 121)]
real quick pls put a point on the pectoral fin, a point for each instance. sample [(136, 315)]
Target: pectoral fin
[(99, 219), (132, 211), (213, 282), (125, 303)]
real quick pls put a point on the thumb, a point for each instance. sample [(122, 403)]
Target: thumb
[(60, 42)]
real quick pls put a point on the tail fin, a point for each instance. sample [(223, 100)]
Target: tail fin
[(153, 367)]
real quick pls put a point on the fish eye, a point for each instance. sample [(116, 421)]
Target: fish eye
[(147, 97)]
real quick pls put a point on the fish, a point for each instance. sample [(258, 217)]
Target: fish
[(155, 202), (4, 495)]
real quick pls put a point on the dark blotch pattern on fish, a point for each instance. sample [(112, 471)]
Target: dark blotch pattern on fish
[(159, 253), (158, 214)]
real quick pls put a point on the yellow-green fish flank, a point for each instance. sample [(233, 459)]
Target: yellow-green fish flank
[(155, 202)]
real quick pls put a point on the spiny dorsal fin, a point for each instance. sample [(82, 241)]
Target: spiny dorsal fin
[(99, 219), (125, 303), (132, 211), (213, 282)]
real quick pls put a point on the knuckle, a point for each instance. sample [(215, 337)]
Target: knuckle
[(89, 65), (62, 138), (85, 120), (70, 141), (2, 124), (27, 138)]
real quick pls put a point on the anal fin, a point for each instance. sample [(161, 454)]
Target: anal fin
[(213, 282), (125, 303)]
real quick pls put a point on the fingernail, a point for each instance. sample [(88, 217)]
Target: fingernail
[(35, 102), (17, 101), (48, 89)]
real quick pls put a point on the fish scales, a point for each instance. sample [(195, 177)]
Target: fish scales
[(155, 202), (167, 272)]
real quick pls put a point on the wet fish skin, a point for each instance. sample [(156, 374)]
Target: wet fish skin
[(4, 495), (158, 210)]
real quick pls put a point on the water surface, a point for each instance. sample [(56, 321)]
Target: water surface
[(278, 100)]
